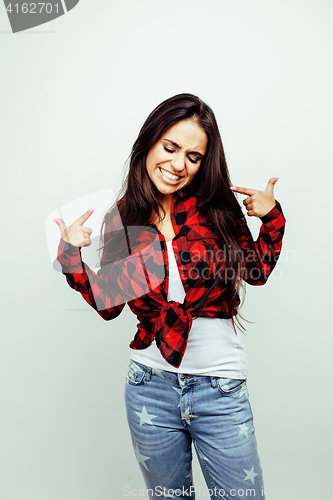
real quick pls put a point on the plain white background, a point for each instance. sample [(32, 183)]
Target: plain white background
[(74, 94)]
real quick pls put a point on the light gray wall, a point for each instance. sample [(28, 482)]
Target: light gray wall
[(74, 94)]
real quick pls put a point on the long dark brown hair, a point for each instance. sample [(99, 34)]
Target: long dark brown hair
[(139, 196)]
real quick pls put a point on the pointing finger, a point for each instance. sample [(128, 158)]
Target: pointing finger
[(81, 220), (243, 190)]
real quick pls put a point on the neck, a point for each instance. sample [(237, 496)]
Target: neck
[(166, 202)]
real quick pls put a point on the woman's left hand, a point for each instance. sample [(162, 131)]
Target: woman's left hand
[(258, 203)]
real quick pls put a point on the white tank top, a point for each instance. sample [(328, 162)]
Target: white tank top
[(213, 348)]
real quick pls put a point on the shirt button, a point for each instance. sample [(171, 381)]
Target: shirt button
[(175, 214), (180, 193), (183, 271)]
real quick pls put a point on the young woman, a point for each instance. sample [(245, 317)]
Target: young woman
[(177, 249)]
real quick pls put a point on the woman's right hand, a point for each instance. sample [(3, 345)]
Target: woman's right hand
[(76, 234)]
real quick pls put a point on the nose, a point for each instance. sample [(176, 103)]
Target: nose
[(178, 163)]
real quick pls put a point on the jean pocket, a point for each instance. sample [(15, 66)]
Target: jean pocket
[(230, 385), (135, 374)]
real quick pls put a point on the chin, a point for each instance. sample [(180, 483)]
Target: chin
[(167, 190)]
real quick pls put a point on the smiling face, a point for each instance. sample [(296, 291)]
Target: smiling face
[(175, 158)]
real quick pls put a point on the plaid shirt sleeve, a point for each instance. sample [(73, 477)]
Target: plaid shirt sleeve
[(124, 280), (260, 263), (93, 287)]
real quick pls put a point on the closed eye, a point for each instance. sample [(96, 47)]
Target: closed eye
[(192, 160)]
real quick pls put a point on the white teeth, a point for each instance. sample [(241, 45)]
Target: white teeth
[(169, 176)]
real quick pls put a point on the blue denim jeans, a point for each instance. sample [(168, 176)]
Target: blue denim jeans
[(167, 411)]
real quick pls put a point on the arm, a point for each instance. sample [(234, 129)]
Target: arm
[(262, 255), (138, 270), (93, 287)]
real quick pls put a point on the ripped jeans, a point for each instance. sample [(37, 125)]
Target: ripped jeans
[(166, 411)]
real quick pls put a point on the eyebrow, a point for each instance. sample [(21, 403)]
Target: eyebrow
[(177, 146)]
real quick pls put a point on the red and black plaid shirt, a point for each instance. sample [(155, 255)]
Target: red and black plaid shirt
[(141, 278)]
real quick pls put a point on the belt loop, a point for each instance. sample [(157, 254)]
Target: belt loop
[(213, 382), (148, 373)]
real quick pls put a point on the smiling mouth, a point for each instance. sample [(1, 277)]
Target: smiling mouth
[(168, 176)]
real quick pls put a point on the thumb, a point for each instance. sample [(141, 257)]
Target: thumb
[(271, 183), (62, 226)]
